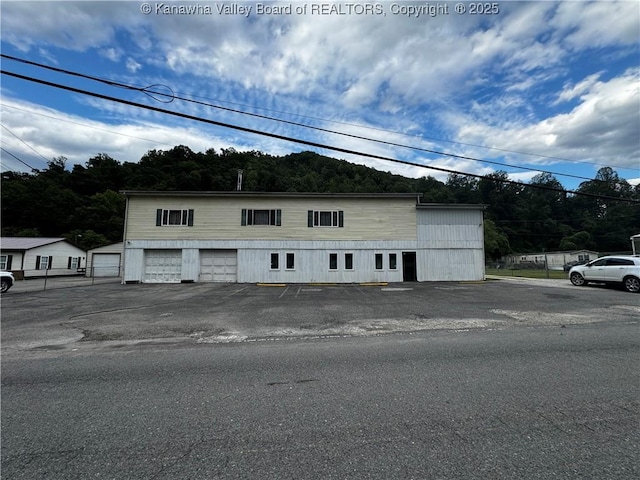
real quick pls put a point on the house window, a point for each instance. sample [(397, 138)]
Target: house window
[(174, 217), (261, 217), (5, 262), (348, 261), (73, 263), (333, 261), (393, 261), (583, 258), (43, 262), (326, 218), (291, 261), (275, 261), (378, 261)]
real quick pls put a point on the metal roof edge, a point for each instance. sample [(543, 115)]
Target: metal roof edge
[(153, 193), (28, 243), (452, 206)]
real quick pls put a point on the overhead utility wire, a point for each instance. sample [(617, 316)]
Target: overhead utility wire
[(24, 163), (148, 91), (173, 96), (300, 141), (38, 153)]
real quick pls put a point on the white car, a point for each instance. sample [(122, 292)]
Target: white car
[(616, 269), (6, 280)]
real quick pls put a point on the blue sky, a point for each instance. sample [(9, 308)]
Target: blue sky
[(535, 86)]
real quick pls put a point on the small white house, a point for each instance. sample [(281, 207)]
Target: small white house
[(105, 261), (550, 260), (40, 256)]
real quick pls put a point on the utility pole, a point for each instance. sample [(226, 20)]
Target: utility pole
[(239, 185)]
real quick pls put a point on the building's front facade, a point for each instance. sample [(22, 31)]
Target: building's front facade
[(299, 238), (40, 256)]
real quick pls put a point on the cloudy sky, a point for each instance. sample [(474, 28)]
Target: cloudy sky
[(515, 85)]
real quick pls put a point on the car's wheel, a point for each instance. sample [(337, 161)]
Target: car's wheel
[(4, 286), (632, 284), (577, 279)]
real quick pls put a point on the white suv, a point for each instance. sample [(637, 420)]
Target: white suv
[(619, 269), (7, 280)]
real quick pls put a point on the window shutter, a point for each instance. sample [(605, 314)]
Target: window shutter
[(9, 258), (341, 218), (69, 264), (278, 217), (50, 263), (190, 218), (310, 218), (243, 219), (158, 217), (38, 262)]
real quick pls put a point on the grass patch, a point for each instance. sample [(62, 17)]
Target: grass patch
[(528, 273)]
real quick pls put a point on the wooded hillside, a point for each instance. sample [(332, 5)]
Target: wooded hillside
[(84, 203)]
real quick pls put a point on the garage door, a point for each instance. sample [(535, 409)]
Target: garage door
[(162, 266), (218, 266), (106, 265)]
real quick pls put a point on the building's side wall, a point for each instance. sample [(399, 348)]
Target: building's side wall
[(220, 218), (451, 242)]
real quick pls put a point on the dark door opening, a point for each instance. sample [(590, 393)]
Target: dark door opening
[(409, 269)]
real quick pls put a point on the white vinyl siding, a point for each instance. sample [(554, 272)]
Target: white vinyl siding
[(220, 218)]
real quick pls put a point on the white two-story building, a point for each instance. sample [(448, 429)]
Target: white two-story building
[(299, 238)]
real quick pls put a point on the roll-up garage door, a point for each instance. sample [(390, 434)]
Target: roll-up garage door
[(105, 264), (218, 266), (162, 266)]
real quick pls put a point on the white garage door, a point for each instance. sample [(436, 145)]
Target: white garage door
[(218, 266), (162, 266), (106, 265)]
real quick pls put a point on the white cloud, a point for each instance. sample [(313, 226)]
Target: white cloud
[(603, 128), (112, 54), (597, 24), (52, 133), (132, 65), (570, 92)]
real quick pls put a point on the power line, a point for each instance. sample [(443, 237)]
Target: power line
[(21, 161), (305, 142), (93, 127), (37, 153), (172, 96)]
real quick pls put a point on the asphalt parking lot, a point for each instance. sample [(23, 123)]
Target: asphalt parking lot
[(73, 316)]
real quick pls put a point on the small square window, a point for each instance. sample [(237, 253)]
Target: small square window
[(275, 261), (393, 261), (348, 261), (291, 261), (378, 261), (333, 261)]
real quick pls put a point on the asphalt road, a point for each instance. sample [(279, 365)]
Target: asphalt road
[(525, 402)]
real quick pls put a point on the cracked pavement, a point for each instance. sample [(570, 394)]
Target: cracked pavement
[(111, 314)]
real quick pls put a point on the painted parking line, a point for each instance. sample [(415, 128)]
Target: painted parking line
[(396, 289), (237, 291), (283, 292)]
